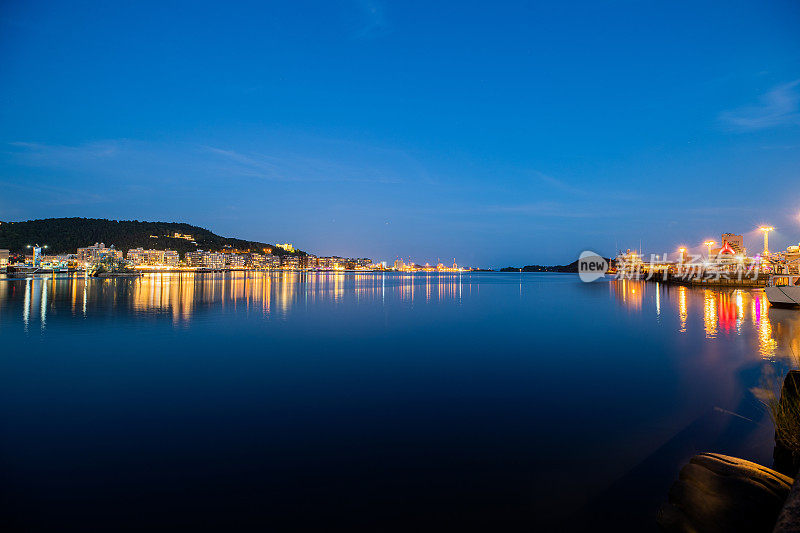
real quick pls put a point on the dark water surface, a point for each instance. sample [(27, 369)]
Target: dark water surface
[(363, 402)]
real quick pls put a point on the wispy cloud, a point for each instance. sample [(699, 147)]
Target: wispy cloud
[(136, 160), (560, 184), (56, 154), (778, 107), (589, 191), (288, 167)]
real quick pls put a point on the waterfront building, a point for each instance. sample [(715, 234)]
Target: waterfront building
[(136, 256), (290, 261), (255, 260), (156, 258), (171, 258), (58, 261), (4, 254), (399, 265), (204, 259), (734, 242), (363, 262), (195, 259), (261, 261), (37, 255), (235, 260), (97, 252), (214, 260), (69, 260), (790, 260)]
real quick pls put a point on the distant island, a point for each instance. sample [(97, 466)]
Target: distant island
[(65, 235), (571, 268)]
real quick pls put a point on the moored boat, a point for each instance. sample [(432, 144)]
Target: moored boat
[(783, 290), (22, 269)]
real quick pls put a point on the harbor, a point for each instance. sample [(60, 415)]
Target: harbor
[(727, 266)]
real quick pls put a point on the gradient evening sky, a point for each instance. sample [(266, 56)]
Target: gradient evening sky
[(496, 133)]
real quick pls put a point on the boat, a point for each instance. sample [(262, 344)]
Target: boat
[(783, 290), (22, 269)]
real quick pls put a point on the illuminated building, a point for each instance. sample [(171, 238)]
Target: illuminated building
[(97, 252), (286, 246), (4, 258), (235, 260), (58, 261), (789, 259), (203, 259), (214, 260), (259, 261), (327, 263), (290, 261), (195, 259), (735, 242), (792, 255), (142, 257), (171, 258), (363, 262)]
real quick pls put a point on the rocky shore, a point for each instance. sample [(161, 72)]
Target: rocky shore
[(716, 493)]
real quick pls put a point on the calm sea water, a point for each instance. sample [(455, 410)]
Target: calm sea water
[(295, 402)]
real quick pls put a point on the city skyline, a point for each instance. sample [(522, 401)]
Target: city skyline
[(507, 136)]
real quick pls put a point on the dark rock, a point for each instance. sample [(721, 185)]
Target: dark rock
[(786, 459), (789, 519), (719, 493)]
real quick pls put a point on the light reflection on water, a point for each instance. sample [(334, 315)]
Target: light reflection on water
[(463, 389), (181, 295), (724, 313), (272, 294)]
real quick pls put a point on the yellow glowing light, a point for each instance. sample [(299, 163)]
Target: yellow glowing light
[(766, 230), (708, 245)]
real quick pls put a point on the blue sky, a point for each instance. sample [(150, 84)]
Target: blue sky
[(502, 134)]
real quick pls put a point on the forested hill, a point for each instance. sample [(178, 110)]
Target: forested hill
[(66, 235), (572, 267)]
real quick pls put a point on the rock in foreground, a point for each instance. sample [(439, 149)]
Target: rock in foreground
[(719, 493)]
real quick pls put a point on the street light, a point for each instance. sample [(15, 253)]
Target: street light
[(709, 244), (766, 230), (682, 251)]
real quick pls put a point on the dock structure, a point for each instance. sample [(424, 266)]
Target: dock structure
[(759, 280)]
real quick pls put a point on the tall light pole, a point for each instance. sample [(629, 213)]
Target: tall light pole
[(709, 244), (766, 230), (682, 251)]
